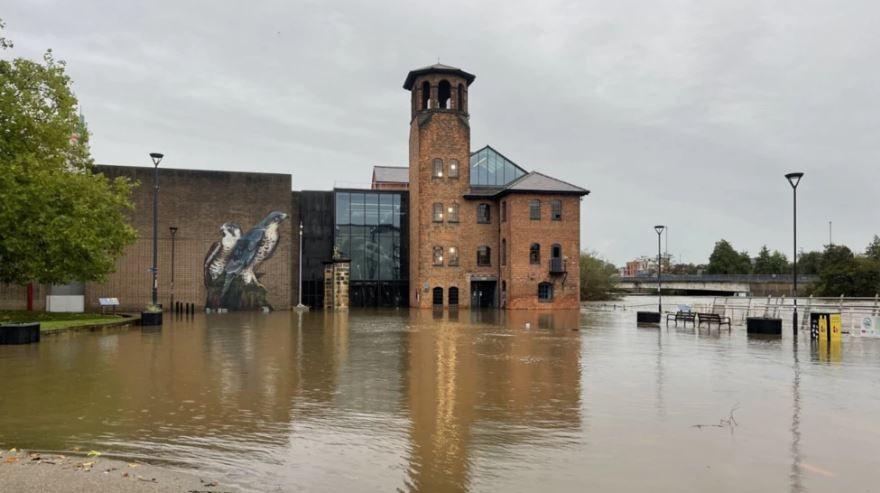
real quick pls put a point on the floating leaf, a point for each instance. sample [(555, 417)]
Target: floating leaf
[(93, 453)]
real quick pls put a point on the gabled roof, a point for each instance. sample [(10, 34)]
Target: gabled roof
[(535, 182), (391, 174), (437, 68)]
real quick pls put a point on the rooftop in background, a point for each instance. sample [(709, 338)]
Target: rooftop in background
[(437, 68), (390, 177)]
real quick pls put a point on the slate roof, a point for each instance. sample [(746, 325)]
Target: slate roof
[(391, 174), (532, 182), (435, 69)]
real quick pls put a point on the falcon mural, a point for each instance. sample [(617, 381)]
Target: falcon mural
[(231, 275)]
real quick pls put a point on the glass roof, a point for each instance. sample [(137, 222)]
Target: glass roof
[(490, 168)]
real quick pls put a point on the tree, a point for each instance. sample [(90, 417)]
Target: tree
[(767, 263), (726, 260), (60, 221), (873, 250), (809, 263), (598, 277)]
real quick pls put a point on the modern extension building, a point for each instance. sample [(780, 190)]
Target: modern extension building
[(455, 227)]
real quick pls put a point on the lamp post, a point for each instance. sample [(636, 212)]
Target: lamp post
[(794, 179), (659, 229), (156, 157), (173, 230)]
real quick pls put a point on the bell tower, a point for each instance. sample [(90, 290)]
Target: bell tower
[(439, 155)]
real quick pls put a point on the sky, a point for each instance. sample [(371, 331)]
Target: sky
[(683, 113)]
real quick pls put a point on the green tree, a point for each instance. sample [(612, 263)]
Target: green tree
[(60, 221), (873, 250), (809, 263), (598, 277), (770, 263), (726, 260)]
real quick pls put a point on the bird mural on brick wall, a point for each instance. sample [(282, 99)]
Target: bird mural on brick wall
[(231, 275)]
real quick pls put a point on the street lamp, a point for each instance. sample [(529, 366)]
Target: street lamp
[(173, 230), (659, 229), (794, 179), (300, 307), (156, 157)]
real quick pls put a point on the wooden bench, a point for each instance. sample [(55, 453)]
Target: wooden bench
[(685, 317), (711, 318)]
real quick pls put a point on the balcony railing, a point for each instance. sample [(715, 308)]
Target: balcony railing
[(557, 266)]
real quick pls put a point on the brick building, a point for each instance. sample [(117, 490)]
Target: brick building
[(488, 233), (453, 228)]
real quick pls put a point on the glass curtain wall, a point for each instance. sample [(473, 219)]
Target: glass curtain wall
[(371, 230)]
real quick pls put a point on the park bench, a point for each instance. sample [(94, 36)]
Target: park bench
[(710, 318), (684, 316)]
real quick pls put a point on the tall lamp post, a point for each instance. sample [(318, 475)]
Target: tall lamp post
[(794, 179), (173, 230), (300, 307), (659, 229), (156, 157)]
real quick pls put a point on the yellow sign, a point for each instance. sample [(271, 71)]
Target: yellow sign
[(823, 327), (835, 327)]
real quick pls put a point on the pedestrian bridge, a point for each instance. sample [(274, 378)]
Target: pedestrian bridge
[(756, 285)]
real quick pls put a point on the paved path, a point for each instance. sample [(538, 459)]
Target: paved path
[(24, 472)]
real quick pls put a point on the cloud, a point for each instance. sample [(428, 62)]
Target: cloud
[(675, 112)]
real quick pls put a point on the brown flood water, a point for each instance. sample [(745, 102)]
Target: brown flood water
[(473, 401)]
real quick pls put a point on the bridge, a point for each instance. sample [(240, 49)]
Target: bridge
[(729, 284)]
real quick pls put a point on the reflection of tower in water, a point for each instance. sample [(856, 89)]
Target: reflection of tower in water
[(464, 380)]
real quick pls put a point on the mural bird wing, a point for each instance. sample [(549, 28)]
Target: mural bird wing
[(245, 250)]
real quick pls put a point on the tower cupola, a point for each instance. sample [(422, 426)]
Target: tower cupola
[(438, 87)]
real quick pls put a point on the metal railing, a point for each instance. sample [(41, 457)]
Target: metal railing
[(852, 310)]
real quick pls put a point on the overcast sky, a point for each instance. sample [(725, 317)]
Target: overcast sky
[(685, 113)]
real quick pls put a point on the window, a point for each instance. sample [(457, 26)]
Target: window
[(438, 256), (453, 257), (535, 254), (426, 95), (438, 212), (484, 256), (453, 296), (483, 214), (438, 296), (444, 94), (438, 168), (453, 168), (487, 167), (504, 211), (503, 252), (453, 213), (545, 291), (535, 210), (556, 210), (556, 251)]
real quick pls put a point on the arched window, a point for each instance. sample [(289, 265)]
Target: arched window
[(453, 213), (452, 261), (426, 95), (503, 251), (453, 296), (444, 94), (438, 168), (438, 256), (535, 254), (453, 168), (535, 210), (504, 211), (545, 292), (460, 97), (438, 212), (556, 251), (484, 256), (438, 296), (556, 210), (483, 214)]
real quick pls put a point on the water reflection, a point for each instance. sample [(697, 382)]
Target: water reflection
[(463, 400)]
